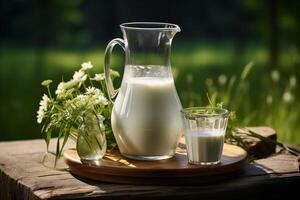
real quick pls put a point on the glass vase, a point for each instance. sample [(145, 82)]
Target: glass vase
[(91, 141)]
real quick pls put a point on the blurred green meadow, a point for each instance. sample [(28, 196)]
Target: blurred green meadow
[(259, 95), (244, 53)]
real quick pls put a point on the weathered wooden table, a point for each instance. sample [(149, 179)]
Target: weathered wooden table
[(22, 176)]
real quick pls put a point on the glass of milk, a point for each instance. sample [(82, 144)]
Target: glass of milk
[(204, 129)]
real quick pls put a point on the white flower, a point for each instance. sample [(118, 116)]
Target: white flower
[(81, 100), (60, 88), (99, 77), (79, 76), (222, 79), (275, 76), (287, 97), (71, 83), (81, 97), (42, 108), (101, 100), (98, 98), (293, 81), (46, 83), (92, 90), (86, 66), (40, 116), (44, 102)]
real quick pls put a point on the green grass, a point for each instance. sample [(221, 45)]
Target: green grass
[(197, 66)]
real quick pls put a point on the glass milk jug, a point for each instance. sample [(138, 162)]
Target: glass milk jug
[(145, 119)]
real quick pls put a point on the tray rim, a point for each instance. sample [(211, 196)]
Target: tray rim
[(197, 170)]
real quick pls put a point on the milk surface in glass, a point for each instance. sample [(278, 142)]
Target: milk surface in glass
[(204, 146)]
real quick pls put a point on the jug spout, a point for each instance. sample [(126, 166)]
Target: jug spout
[(148, 43), (174, 30)]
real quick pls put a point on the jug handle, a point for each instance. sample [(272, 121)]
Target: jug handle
[(112, 92)]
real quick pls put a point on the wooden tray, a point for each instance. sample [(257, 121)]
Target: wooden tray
[(114, 168)]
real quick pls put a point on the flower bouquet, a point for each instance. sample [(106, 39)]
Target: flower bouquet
[(80, 109)]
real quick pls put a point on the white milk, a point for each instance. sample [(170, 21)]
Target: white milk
[(204, 147), (146, 117)]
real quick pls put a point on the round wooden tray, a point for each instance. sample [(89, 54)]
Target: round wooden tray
[(114, 168)]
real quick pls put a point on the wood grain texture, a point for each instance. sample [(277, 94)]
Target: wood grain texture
[(256, 147), (22, 176), (114, 168)]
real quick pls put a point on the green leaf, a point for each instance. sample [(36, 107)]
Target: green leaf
[(66, 136), (57, 156), (211, 103), (47, 139)]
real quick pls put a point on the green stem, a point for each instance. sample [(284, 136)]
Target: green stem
[(49, 92), (91, 82)]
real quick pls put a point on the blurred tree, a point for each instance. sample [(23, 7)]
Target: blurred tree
[(100, 19), (52, 21), (264, 25), (289, 26), (44, 23), (39, 23), (273, 17)]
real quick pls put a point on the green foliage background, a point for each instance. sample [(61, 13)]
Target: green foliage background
[(50, 39)]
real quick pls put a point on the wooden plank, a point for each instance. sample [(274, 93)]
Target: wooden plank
[(256, 147), (22, 176)]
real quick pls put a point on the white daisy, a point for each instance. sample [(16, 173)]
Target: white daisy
[(60, 88), (42, 108), (102, 100), (98, 92), (91, 90), (44, 102), (99, 77), (40, 116), (79, 76), (81, 97), (86, 66), (81, 100)]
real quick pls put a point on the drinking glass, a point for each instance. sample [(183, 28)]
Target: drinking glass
[(204, 129)]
